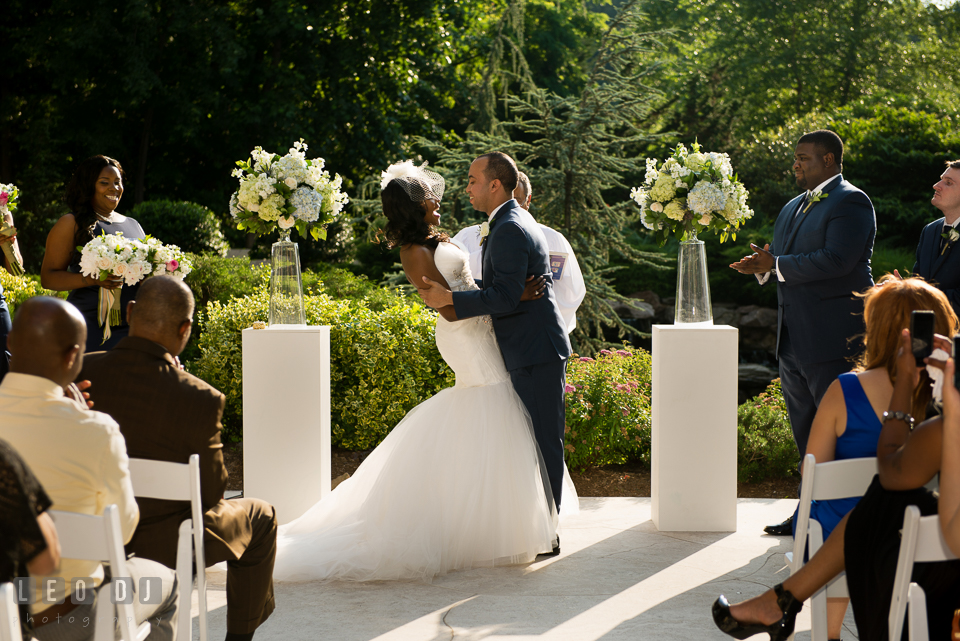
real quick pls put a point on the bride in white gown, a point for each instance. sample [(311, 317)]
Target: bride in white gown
[(458, 483)]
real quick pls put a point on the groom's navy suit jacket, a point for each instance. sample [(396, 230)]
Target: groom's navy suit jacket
[(824, 256), (940, 269), (529, 332)]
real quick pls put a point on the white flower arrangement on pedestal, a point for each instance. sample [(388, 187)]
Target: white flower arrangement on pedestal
[(690, 193), (132, 260), (286, 192)]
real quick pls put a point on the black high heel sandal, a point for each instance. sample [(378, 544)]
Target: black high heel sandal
[(779, 631)]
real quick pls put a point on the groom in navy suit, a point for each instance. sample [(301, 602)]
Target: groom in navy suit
[(938, 258), (531, 333), (820, 256)]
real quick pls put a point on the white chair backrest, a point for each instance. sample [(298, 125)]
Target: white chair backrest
[(99, 538), (179, 482), (826, 481), (161, 479), (169, 481), (921, 542), (9, 614), (839, 479)]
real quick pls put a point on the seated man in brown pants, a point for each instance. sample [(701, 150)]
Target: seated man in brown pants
[(166, 414)]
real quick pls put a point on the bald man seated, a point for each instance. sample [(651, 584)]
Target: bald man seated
[(166, 414), (80, 458)]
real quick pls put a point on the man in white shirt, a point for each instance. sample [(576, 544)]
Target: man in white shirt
[(938, 258), (568, 285), (80, 458)]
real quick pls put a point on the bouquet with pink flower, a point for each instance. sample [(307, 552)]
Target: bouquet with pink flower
[(131, 260), (9, 195), (166, 259)]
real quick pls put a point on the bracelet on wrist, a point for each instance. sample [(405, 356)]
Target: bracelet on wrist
[(899, 416)]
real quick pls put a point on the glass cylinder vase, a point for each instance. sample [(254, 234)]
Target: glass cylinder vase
[(693, 288), (286, 288)]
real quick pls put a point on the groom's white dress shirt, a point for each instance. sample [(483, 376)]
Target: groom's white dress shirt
[(569, 289), (77, 454)]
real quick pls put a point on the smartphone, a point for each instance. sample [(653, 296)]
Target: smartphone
[(921, 334), (956, 370)]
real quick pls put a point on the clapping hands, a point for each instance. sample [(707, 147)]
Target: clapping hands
[(759, 262)]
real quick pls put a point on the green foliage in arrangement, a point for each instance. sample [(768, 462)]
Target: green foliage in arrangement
[(608, 408), (382, 363), (189, 226), (765, 447), (17, 289)]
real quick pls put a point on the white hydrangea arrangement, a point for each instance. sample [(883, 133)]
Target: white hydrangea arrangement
[(130, 259), (286, 192), (692, 192)]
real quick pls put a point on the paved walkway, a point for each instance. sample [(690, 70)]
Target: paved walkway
[(617, 578)]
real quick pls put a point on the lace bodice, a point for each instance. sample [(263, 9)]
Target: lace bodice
[(468, 346)]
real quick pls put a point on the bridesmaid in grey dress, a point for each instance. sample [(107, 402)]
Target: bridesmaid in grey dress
[(93, 194)]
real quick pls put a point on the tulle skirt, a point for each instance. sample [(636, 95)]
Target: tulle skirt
[(457, 484)]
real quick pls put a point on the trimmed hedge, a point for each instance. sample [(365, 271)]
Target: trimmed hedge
[(383, 363), (17, 289), (765, 447), (191, 227)]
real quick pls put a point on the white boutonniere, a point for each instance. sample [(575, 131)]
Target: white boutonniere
[(813, 197), (951, 237), (484, 232)]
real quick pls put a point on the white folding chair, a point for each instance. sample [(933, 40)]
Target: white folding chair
[(9, 614), (98, 538), (179, 482), (823, 482), (921, 542)]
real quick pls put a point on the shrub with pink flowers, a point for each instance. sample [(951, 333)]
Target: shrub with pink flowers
[(608, 408)]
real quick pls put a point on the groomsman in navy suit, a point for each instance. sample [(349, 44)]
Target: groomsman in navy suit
[(820, 256), (938, 258)]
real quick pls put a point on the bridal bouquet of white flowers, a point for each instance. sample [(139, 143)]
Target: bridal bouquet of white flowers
[(286, 192), (131, 260), (9, 194), (692, 192)]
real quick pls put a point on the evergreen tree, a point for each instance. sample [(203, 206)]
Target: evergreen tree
[(579, 151)]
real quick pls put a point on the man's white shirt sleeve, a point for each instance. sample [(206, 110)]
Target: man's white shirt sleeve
[(571, 288), (763, 278)]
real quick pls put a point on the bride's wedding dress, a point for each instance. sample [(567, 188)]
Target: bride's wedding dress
[(457, 483)]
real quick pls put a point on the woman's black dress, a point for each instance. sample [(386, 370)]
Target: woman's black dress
[(86, 298), (871, 548)]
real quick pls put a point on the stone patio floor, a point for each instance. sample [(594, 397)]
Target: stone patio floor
[(616, 578)]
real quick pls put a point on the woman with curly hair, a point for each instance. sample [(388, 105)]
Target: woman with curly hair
[(93, 195), (458, 483)]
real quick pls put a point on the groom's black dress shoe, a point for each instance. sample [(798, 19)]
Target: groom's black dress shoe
[(554, 552), (781, 529)]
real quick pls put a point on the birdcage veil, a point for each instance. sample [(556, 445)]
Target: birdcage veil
[(420, 183)]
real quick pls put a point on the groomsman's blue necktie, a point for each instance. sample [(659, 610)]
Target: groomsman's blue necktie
[(796, 214)]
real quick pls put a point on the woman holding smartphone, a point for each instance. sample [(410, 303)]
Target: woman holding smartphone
[(850, 417)]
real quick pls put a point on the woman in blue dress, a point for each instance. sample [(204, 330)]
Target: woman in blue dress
[(93, 194), (849, 418)]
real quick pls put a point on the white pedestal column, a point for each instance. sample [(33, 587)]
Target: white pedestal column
[(694, 440), (286, 417)]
